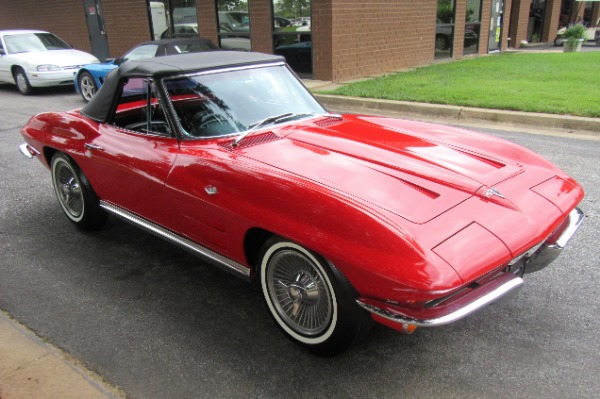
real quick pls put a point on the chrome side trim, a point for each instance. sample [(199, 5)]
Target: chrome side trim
[(512, 286), (219, 260), (28, 150)]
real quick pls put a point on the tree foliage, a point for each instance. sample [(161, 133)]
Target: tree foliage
[(292, 8)]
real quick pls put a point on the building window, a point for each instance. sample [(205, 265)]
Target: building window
[(444, 29), (472, 27), (173, 18), (537, 10), (292, 37), (234, 25)]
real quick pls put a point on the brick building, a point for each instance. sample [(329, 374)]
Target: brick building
[(326, 39)]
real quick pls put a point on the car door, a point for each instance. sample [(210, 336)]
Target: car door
[(133, 154), (5, 75)]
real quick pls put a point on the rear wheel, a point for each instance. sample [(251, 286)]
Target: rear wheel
[(312, 303), (75, 194), (22, 81), (87, 86)]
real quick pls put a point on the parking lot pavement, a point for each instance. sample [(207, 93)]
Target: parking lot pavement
[(32, 368)]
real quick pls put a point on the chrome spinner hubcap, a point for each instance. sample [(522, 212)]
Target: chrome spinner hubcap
[(69, 191), (299, 293)]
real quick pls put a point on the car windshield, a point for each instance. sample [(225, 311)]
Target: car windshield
[(226, 103), (27, 42)]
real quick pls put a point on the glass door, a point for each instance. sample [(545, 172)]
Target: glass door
[(495, 25), (96, 28)]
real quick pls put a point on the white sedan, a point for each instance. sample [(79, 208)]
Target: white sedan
[(33, 58)]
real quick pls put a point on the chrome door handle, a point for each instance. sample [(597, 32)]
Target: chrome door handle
[(93, 147)]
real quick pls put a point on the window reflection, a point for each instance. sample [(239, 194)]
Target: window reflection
[(173, 18), (472, 27), (292, 36), (444, 29), (536, 20), (234, 25)]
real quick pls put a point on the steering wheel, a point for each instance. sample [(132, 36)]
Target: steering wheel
[(201, 121)]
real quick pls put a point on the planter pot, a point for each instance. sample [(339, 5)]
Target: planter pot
[(572, 46)]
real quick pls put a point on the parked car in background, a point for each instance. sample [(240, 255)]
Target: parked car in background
[(234, 21), (591, 34), (34, 58), (228, 41), (341, 220), (91, 77), (444, 34)]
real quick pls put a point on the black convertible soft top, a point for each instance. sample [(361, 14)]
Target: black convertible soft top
[(156, 68)]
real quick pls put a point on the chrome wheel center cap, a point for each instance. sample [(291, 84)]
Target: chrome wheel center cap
[(303, 290)]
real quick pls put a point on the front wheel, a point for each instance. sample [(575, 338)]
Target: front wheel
[(558, 41), (441, 42), (22, 82), (309, 300), (87, 86), (75, 194)]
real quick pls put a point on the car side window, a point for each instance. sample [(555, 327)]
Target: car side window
[(139, 108)]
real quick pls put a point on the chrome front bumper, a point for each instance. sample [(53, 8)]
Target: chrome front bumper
[(502, 287), (549, 251), (28, 151)]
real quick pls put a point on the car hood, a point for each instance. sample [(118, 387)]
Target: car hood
[(62, 58), (416, 176)]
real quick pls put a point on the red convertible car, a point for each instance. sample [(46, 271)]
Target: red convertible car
[(341, 220)]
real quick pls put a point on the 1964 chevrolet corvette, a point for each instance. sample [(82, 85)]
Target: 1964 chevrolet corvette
[(341, 220)]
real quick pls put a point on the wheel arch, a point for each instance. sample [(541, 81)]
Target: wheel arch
[(14, 68), (49, 153), (253, 242)]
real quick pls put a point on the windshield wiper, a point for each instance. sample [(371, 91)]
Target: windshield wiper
[(271, 119)]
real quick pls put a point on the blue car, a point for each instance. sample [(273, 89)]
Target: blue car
[(91, 77)]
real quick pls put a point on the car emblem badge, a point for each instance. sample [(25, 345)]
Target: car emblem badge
[(490, 192)]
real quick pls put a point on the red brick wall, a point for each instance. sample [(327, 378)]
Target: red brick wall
[(207, 18), (351, 38), (460, 14), (551, 17), (321, 27), (260, 25), (126, 23), (376, 36), (64, 18), (519, 21)]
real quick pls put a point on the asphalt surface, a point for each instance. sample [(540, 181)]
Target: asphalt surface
[(158, 323)]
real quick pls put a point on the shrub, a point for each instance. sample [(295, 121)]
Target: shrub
[(575, 33)]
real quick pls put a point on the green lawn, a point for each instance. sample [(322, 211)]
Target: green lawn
[(558, 83)]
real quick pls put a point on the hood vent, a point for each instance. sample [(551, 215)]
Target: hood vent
[(329, 122), (252, 140)]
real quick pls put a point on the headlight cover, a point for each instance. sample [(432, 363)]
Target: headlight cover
[(48, 68)]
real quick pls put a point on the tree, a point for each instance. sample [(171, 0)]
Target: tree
[(292, 8)]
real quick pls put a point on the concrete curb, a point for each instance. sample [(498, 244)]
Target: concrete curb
[(32, 368), (506, 118)]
